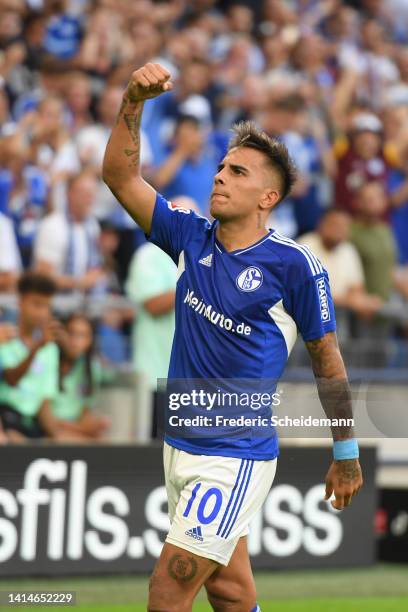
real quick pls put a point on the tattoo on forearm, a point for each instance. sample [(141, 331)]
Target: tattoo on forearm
[(182, 567), (130, 152), (133, 125), (332, 384), (132, 121), (325, 355), (122, 109), (349, 471)]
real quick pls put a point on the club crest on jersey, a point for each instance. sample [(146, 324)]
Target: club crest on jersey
[(249, 279), (178, 208)]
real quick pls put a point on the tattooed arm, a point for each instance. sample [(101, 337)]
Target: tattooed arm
[(121, 164), (344, 477)]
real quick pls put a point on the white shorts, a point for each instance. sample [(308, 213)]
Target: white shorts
[(212, 500)]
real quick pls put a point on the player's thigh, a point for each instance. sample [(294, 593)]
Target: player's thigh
[(178, 576), (216, 501), (233, 586)]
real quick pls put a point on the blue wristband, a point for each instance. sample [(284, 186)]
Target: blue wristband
[(345, 449)]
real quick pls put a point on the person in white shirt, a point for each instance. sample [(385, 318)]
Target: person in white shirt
[(10, 260), (66, 245), (330, 243)]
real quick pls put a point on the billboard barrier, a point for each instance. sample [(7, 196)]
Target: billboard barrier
[(102, 509)]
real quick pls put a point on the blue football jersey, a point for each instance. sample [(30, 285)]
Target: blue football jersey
[(238, 313)]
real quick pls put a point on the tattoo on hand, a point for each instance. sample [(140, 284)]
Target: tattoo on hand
[(348, 470), (182, 568)]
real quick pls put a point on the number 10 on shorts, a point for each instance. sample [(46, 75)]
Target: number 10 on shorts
[(208, 495)]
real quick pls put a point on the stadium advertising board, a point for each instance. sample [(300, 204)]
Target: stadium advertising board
[(102, 509), (392, 525)]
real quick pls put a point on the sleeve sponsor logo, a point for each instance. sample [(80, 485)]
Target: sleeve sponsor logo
[(323, 299)]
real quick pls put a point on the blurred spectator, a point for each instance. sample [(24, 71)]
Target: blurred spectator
[(361, 160), (190, 167), (398, 188), (78, 98), (288, 119), (107, 42), (330, 243), (108, 242), (33, 36), (375, 243), (29, 362), (249, 102), (10, 261), (373, 239), (395, 120), (63, 31), (7, 125), (67, 242), (152, 286), (52, 148), (70, 413), (113, 345), (7, 332), (311, 64), (11, 46), (24, 191)]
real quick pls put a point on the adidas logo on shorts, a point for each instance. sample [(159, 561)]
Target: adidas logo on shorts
[(195, 533), (206, 261)]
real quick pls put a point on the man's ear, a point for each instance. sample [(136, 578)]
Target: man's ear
[(269, 199)]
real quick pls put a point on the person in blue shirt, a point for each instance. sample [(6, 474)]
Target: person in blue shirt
[(243, 293), (189, 164)]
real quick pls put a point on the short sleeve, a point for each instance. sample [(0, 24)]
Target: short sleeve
[(308, 297), (173, 226)]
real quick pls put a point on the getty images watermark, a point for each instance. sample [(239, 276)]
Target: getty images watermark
[(238, 408), (210, 401)]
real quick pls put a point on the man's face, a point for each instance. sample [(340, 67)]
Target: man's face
[(334, 229), (367, 144), (81, 196), (372, 201), (244, 186), (35, 310)]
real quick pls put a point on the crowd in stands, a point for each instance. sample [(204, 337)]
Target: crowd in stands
[(327, 77)]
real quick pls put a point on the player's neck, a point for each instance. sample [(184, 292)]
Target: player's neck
[(233, 236)]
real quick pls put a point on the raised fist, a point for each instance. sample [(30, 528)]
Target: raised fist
[(148, 82)]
